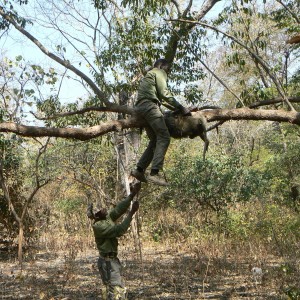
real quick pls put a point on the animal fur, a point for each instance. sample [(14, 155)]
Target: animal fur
[(183, 127)]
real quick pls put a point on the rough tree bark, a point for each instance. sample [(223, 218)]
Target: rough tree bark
[(212, 115)]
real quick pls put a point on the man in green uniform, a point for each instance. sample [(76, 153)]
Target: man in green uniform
[(153, 93), (106, 233)]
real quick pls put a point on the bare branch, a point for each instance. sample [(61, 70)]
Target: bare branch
[(253, 54), (206, 7), (186, 11), (176, 4), (31, 196), (116, 108), (62, 62), (273, 101)]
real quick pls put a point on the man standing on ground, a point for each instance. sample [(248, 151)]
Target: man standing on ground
[(153, 93), (106, 233)]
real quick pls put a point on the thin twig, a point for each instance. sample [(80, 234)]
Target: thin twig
[(253, 54)]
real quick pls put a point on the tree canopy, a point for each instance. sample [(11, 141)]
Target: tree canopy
[(227, 54)]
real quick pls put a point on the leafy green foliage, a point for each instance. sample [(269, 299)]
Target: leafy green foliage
[(187, 67), (193, 95), (20, 81), (295, 83), (9, 9), (260, 32), (147, 7), (139, 39), (255, 92), (69, 206), (285, 188), (215, 183), (284, 19), (132, 39), (292, 292)]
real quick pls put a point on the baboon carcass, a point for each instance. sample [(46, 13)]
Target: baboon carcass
[(183, 127)]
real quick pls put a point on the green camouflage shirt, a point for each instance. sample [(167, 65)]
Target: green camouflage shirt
[(106, 231), (154, 87)]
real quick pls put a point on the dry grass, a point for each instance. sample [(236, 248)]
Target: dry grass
[(186, 262), (166, 272)]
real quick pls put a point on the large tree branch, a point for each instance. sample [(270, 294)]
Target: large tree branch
[(250, 114), (175, 37), (75, 133), (133, 122)]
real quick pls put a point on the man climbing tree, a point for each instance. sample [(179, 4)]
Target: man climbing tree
[(106, 234), (153, 93)]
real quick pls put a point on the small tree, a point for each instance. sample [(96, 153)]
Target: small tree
[(18, 190)]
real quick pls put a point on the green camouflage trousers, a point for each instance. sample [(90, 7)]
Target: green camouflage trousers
[(158, 135), (110, 271)]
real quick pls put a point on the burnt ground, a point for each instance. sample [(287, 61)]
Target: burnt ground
[(163, 273)]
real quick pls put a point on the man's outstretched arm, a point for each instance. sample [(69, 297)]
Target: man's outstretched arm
[(122, 206), (103, 229)]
